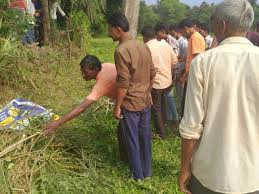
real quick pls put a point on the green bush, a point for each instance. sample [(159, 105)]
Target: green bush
[(81, 24), (13, 23)]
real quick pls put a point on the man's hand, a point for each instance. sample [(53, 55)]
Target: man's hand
[(184, 178), (36, 14), (51, 128), (182, 78), (117, 113)]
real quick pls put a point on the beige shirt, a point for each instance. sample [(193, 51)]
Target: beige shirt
[(164, 59), (221, 109), (135, 70)]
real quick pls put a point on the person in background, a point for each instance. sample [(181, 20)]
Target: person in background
[(27, 9), (105, 76), (183, 45), (214, 43), (135, 75), (38, 28), (253, 37), (205, 32), (196, 25), (18, 4), (162, 34), (55, 7), (164, 59), (29, 38), (196, 45), (220, 128)]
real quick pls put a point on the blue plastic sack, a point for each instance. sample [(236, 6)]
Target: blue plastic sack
[(18, 113)]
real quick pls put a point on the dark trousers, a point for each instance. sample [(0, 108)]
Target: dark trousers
[(183, 99), (38, 28), (136, 128), (159, 110), (197, 188), (122, 143)]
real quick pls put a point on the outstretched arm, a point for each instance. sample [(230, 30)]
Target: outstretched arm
[(188, 147), (52, 126)]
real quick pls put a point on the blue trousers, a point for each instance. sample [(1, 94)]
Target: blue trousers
[(172, 112), (29, 37), (137, 133)]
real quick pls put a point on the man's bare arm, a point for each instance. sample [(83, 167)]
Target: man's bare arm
[(188, 147), (52, 126), (121, 93)]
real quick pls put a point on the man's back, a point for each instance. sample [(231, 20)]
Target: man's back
[(105, 83), (224, 94), (196, 45), (135, 69), (183, 45), (164, 60), (173, 43)]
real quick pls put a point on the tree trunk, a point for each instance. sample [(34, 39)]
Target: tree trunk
[(131, 11), (46, 21)]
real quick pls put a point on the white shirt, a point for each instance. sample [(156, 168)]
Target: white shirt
[(173, 43), (164, 60), (53, 11), (30, 9), (221, 109), (208, 41), (183, 45)]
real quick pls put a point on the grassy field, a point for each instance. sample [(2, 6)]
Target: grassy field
[(82, 157)]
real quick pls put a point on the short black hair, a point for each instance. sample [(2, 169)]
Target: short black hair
[(205, 27), (119, 20), (186, 23), (161, 27), (173, 28), (148, 32), (91, 62), (197, 23)]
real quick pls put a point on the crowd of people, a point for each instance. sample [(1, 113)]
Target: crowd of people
[(216, 80), (32, 11)]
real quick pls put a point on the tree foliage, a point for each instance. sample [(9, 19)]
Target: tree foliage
[(171, 10), (256, 11), (96, 12), (147, 15), (202, 13), (12, 22), (113, 6)]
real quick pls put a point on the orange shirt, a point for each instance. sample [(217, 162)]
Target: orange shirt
[(196, 45), (105, 83)]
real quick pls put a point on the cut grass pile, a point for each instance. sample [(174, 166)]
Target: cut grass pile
[(82, 157)]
